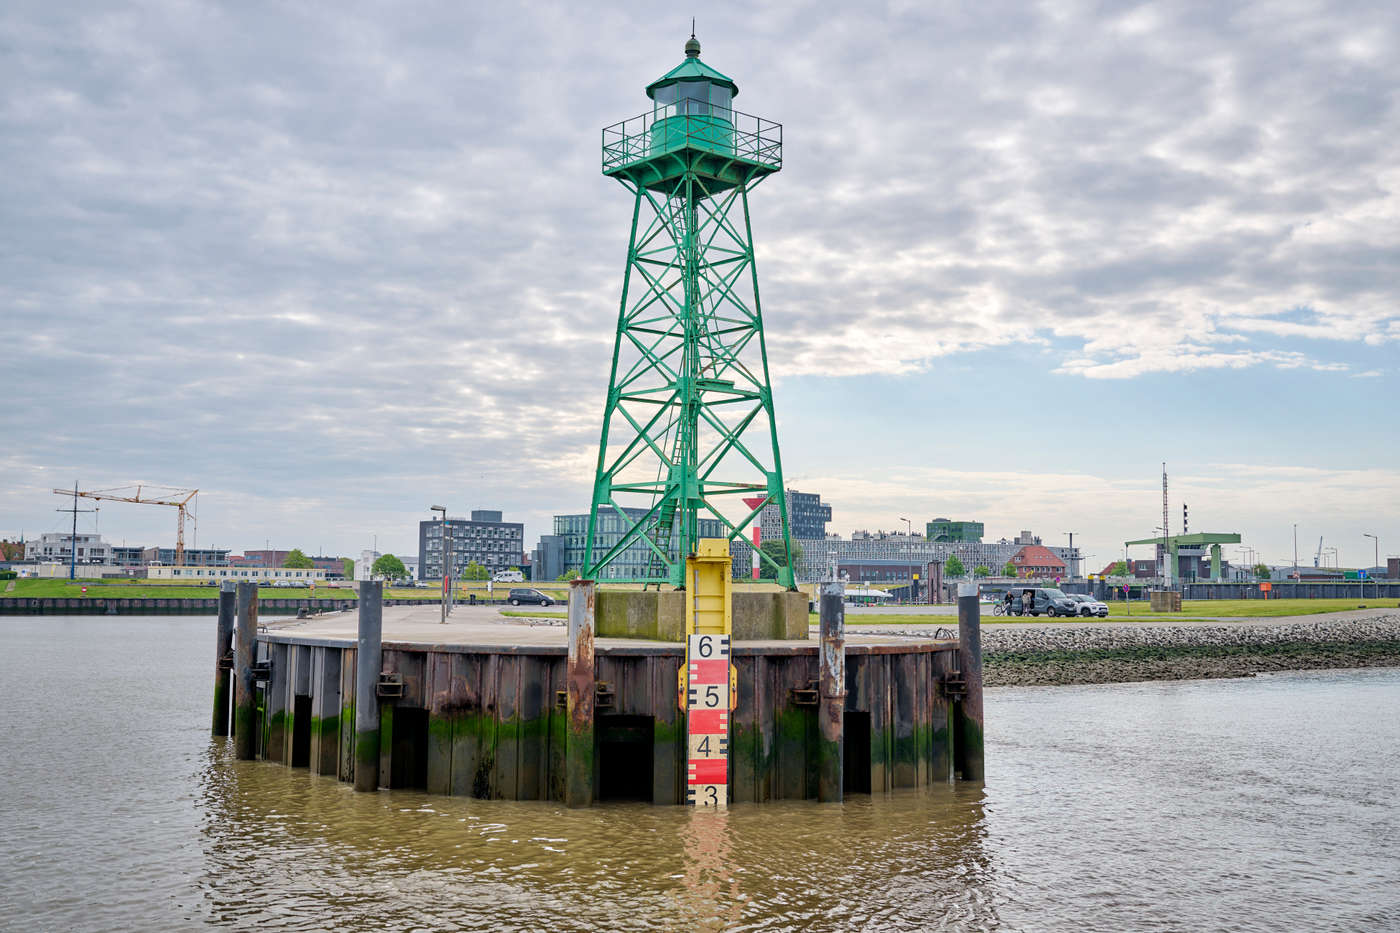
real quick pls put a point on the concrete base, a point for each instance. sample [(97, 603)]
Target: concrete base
[(757, 616), (1165, 601)]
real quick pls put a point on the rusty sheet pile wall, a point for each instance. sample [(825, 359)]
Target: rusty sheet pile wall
[(493, 723)]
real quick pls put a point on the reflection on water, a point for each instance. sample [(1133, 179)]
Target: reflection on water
[(1254, 804), (402, 860)]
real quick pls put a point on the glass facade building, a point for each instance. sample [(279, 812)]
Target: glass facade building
[(942, 529), (635, 561)]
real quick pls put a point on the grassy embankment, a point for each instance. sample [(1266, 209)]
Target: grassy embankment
[(171, 589), (149, 589)]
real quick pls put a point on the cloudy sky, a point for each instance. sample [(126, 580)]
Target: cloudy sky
[(333, 262)]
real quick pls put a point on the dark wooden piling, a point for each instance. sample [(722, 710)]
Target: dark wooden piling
[(244, 690), (967, 719), (275, 712), (369, 659), (325, 711), (832, 699), (223, 657), (578, 755)]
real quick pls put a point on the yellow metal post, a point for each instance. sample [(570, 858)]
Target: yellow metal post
[(708, 583), (707, 677)]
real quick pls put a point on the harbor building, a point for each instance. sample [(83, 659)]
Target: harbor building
[(943, 529), (1038, 562), (547, 560), (127, 556), (483, 538), (57, 547), (54, 547), (635, 561), (237, 574), (364, 564), (807, 517), (333, 566), (876, 557), (194, 557)]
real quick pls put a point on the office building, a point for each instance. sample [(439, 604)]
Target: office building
[(483, 539), (547, 560), (807, 517)]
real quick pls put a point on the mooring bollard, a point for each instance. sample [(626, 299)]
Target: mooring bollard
[(578, 754), (369, 658), (223, 657), (244, 689), (831, 715), (967, 725)]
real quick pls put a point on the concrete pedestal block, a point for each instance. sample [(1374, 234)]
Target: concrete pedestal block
[(758, 616)]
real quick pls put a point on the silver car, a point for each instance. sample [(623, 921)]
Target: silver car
[(1089, 606)]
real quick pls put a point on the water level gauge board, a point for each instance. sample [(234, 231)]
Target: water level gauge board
[(706, 680)]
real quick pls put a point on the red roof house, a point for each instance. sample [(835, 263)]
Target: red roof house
[(1036, 560)]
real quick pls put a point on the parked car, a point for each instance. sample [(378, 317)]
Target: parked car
[(1047, 599), (280, 584), (1089, 606), (519, 596)]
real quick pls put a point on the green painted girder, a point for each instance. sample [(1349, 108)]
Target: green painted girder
[(688, 423), (1198, 539)]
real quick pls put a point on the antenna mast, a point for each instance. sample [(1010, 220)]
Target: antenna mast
[(1165, 530), (72, 541)]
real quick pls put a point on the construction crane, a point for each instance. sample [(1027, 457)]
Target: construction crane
[(147, 495), (1317, 561)]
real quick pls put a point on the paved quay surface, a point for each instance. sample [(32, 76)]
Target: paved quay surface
[(484, 626)]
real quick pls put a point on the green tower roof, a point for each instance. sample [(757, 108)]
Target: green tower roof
[(691, 69)]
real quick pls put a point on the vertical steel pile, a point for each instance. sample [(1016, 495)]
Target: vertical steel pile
[(245, 709), (369, 655), (578, 755), (967, 726), (223, 657), (832, 700)]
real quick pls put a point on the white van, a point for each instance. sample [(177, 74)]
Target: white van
[(508, 576)]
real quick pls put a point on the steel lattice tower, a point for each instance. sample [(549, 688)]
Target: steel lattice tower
[(688, 426)]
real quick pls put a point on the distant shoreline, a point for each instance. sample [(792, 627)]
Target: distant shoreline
[(1046, 656)]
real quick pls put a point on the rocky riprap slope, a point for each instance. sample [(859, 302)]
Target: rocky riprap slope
[(1116, 653)]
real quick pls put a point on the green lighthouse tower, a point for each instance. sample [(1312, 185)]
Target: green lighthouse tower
[(689, 445)]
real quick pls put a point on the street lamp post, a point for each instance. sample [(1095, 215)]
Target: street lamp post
[(1295, 552), (1162, 566), (1376, 564), (909, 533), (446, 560)]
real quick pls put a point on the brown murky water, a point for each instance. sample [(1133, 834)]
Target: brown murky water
[(1258, 804)]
